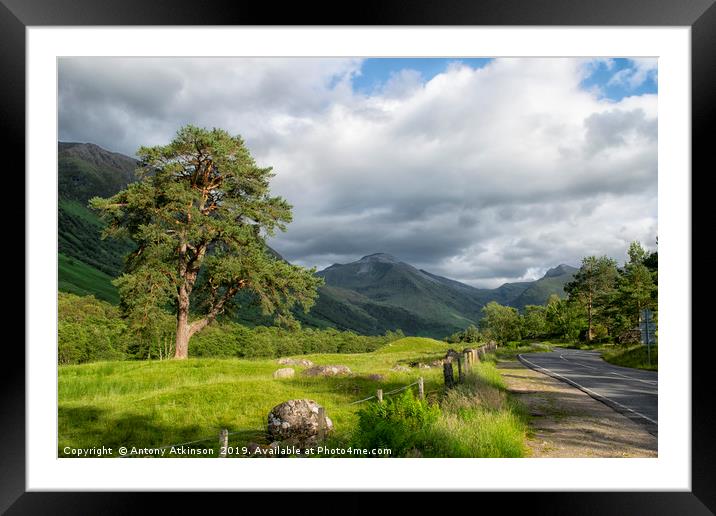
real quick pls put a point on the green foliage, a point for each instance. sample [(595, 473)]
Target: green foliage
[(234, 340), (397, 423), (501, 323), (592, 287), (199, 217), (564, 318), (637, 290), (92, 330), (637, 254), (469, 335), (534, 321), (89, 330)]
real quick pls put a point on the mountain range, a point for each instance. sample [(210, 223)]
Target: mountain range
[(380, 292), (376, 293)]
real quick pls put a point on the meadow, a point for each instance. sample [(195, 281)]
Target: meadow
[(154, 403)]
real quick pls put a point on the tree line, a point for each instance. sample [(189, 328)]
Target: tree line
[(602, 303), (92, 330)]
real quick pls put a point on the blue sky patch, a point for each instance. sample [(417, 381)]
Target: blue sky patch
[(377, 71), (620, 77), (613, 79)]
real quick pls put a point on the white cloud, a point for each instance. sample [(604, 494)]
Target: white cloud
[(483, 175), (642, 69)]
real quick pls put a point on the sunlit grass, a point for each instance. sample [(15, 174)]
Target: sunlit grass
[(156, 403), (634, 356)]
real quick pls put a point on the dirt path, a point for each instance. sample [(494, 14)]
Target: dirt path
[(566, 422)]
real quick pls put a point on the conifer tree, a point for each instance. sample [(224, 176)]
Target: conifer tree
[(199, 217)]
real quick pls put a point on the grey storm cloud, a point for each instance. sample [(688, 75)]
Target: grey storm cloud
[(484, 176)]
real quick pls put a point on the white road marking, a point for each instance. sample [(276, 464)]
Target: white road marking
[(576, 363), (651, 382), (587, 390)]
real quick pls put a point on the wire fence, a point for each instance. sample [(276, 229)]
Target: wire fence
[(394, 391), (226, 434)]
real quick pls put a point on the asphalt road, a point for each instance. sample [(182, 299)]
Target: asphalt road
[(632, 392)]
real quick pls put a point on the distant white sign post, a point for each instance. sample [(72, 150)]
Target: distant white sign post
[(647, 326)]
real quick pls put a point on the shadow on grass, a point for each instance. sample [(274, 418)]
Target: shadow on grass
[(90, 427)]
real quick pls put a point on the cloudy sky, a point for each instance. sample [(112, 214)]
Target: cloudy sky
[(481, 170)]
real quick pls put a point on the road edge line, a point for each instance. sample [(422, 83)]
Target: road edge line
[(614, 405)]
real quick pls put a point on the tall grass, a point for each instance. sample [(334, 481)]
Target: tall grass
[(634, 356), (479, 419), (474, 419)]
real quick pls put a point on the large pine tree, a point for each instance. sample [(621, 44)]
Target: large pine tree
[(592, 284), (199, 216)]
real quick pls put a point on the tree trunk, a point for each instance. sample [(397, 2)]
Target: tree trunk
[(182, 338)]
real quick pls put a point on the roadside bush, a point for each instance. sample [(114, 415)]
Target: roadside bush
[(398, 423), (88, 329)]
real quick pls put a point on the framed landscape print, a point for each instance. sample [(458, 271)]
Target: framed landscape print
[(413, 252)]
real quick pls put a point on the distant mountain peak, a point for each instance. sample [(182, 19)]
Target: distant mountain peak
[(559, 270), (379, 257)]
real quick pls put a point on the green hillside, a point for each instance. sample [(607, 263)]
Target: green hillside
[(79, 236), (87, 263), (87, 170), (79, 278), (346, 309), (539, 291)]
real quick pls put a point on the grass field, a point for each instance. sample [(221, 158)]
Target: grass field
[(512, 349), (158, 403)]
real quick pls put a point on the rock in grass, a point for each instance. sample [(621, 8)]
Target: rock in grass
[(376, 377), (298, 423), (285, 372), (295, 361), (400, 369), (328, 370)]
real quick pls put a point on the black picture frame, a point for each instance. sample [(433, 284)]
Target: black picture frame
[(700, 15)]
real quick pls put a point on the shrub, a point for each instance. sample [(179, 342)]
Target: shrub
[(88, 330), (397, 423)]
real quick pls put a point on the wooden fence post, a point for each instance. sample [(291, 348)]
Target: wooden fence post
[(321, 423), (421, 388), (447, 372), (460, 370), (223, 442), (379, 395)]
